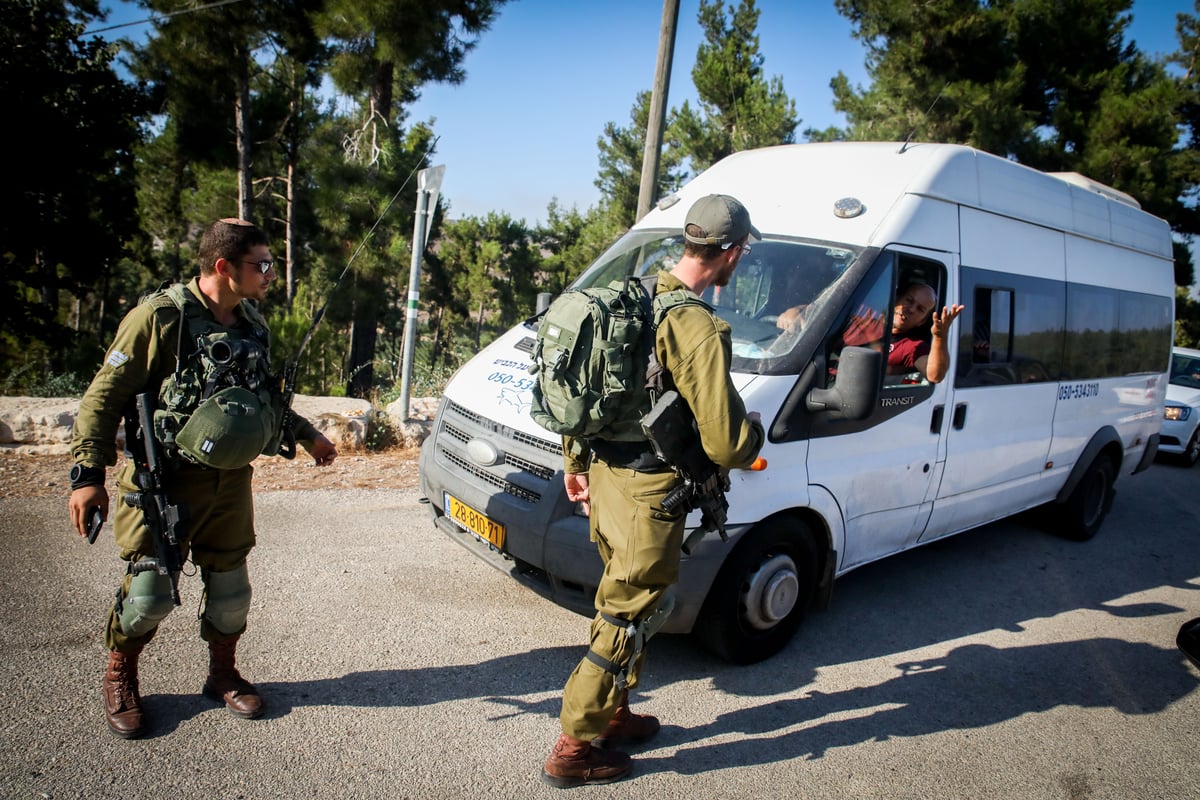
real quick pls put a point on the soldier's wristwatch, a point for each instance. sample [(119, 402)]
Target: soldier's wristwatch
[(82, 475)]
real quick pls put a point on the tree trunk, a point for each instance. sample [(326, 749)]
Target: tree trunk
[(435, 349), (241, 110), (479, 329), (289, 236), (363, 333)]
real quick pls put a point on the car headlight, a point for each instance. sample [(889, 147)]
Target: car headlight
[(1177, 413)]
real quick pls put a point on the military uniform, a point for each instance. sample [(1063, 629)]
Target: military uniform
[(217, 504), (217, 405), (639, 541)]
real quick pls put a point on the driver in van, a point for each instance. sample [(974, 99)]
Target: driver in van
[(910, 350)]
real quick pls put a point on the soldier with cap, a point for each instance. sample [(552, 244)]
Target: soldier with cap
[(623, 488), (202, 352)]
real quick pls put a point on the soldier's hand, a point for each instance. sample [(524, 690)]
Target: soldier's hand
[(576, 484), (82, 501), (323, 451)]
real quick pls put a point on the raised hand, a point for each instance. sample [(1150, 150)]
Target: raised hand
[(942, 321), (866, 327)]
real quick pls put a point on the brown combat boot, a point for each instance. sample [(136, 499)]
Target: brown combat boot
[(226, 686), (574, 762), (627, 727), (122, 703)]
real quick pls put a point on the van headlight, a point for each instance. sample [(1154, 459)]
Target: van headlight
[(1177, 413)]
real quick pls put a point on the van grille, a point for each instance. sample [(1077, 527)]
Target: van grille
[(545, 473), (506, 486), (459, 425)]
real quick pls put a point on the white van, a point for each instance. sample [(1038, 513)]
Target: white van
[(1056, 385)]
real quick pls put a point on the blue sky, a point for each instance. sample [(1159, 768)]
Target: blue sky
[(543, 82)]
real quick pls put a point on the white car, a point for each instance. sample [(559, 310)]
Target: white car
[(1181, 418)]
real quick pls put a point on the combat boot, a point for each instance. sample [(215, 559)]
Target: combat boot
[(225, 685), (627, 727), (122, 703), (574, 762)]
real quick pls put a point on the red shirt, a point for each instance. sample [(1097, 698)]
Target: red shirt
[(905, 351)]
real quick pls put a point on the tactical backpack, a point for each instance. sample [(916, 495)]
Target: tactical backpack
[(593, 351)]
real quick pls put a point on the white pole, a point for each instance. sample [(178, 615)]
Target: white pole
[(429, 183)]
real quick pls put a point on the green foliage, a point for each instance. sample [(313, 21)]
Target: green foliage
[(30, 380), (621, 154), (1187, 319), (572, 241), (1048, 83), (739, 107), (492, 262), (321, 368), (68, 186)]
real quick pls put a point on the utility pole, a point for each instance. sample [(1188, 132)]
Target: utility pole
[(658, 108)]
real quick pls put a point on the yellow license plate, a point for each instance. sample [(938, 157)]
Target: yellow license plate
[(491, 532)]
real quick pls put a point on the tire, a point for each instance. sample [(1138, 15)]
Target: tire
[(761, 593), (1191, 453), (1080, 517)]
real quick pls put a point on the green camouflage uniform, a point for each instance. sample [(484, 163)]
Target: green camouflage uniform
[(216, 504), (638, 541)]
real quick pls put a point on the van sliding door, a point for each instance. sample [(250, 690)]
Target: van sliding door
[(1009, 342)]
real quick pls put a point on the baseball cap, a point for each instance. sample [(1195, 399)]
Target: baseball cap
[(721, 219)]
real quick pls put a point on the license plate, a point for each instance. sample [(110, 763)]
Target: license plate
[(491, 532)]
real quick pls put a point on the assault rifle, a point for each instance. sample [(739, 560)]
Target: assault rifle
[(672, 432), (162, 517), (287, 441)]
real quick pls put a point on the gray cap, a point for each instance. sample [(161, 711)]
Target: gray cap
[(721, 219)]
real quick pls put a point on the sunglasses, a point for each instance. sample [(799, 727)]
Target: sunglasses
[(263, 266)]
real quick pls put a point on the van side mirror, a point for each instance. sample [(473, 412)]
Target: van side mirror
[(543, 301), (856, 391)]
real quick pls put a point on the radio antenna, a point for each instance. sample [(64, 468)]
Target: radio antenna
[(913, 132)]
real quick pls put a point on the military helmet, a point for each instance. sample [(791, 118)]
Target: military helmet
[(228, 430)]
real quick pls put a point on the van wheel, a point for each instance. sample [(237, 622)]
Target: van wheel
[(1191, 453), (1083, 512), (761, 593)]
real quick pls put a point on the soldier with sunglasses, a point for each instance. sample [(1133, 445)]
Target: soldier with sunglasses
[(201, 354)]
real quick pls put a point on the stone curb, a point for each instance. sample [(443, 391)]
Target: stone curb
[(42, 425)]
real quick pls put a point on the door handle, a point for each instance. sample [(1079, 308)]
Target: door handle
[(935, 424), (960, 416)]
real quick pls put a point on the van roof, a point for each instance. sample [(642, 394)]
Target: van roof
[(791, 190)]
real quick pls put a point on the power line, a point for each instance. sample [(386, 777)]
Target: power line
[(160, 17)]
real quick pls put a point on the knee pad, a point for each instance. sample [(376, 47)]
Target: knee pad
[(227, 599), (654, 621), (146, 603)]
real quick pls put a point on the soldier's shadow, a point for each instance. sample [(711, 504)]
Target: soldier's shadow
[(973, 686), (504, 679)]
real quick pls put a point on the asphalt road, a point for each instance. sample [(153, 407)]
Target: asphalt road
[(1003, 663)]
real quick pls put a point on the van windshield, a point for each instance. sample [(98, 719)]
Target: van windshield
[(1185, 370), (772, 291)]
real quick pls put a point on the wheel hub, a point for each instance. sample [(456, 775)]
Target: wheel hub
[(772, 592)]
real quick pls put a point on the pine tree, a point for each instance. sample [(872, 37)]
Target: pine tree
[(739, 107)]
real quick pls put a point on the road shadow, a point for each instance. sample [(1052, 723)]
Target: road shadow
[(1002, 577), (999, 577), (973, 686), (505, 680)]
